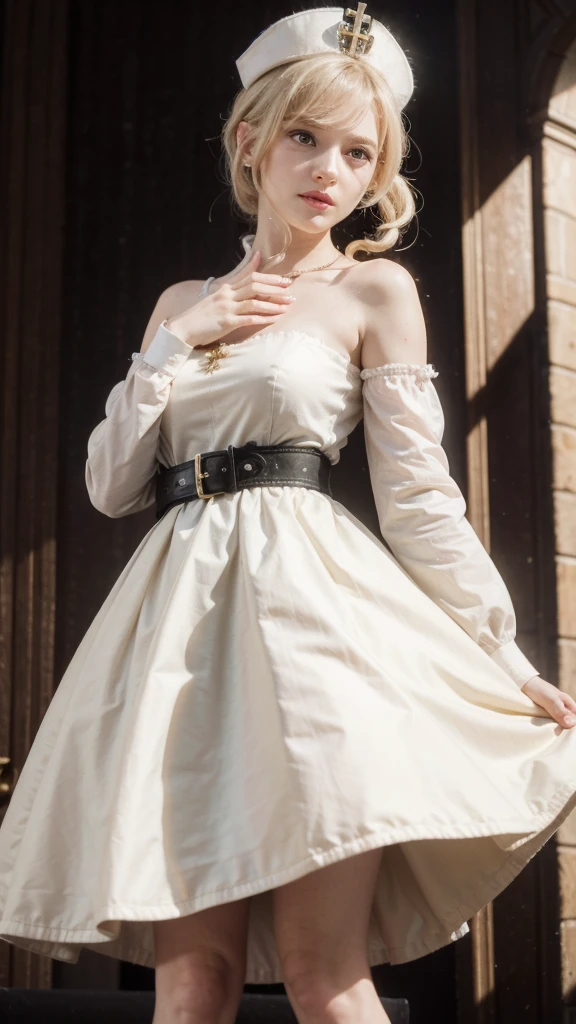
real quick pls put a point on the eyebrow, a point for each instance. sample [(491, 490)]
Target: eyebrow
[(362, 140)]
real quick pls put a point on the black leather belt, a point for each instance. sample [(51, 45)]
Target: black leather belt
[(232, 469)]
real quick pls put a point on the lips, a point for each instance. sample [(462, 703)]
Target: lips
[(318, 198)]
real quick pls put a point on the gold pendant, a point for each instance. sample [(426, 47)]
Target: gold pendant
[(214, 356)]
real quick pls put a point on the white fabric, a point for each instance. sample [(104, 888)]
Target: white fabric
[(316, 31), (267, 690), (421, 511)]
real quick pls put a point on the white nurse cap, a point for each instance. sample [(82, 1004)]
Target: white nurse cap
[(329, 28)]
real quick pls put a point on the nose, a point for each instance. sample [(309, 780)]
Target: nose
[(326, 171)]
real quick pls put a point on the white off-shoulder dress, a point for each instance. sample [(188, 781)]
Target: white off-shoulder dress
[(267, 689)]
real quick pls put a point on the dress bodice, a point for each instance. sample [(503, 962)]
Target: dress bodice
[(280, 387), (276, 387)]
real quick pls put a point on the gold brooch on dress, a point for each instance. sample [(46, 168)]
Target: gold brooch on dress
[(214, 356)]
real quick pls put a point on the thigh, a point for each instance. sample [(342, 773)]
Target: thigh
[(325, 914)]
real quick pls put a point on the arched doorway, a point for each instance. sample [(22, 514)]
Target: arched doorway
[(518, 216)]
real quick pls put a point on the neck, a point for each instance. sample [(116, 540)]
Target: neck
[(303, 252)]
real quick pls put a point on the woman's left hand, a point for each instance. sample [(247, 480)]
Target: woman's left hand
[(559, 705)]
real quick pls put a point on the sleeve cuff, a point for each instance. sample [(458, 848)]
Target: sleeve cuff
[(510, 658), (166, 353)]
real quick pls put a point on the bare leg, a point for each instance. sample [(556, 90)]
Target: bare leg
[(201, 965), (321, 927)]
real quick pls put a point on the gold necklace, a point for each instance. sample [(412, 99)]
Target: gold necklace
[(309, 270), (215, 355)]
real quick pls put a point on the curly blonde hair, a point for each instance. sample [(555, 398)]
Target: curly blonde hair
[(317, 88)]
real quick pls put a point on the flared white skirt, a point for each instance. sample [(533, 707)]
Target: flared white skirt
[(265, 691)]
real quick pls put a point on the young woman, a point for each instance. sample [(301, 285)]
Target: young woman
[(282, 751)]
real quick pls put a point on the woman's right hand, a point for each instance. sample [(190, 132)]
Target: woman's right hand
[(246, 299)]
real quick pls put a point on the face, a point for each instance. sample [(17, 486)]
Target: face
[(340, 162)]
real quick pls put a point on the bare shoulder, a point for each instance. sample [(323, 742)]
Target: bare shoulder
[(394, 326), (173, 300), (382, 273)]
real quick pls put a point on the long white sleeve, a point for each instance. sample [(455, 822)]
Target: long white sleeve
[(122, 463), (421, 511)]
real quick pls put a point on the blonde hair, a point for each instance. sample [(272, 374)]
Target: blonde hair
[(316, 89)]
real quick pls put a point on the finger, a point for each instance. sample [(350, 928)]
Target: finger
[(568, 712), (264, 282), (256, 278), (564, 717), (262, 306), (257, 290), (248, 319)]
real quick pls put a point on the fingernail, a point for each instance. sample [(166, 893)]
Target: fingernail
[(286, 280), (292, 297)]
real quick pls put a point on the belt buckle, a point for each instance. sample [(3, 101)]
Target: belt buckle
[(198, 474)]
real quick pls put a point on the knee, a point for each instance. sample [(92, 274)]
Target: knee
[(316, 989), (202, 988)]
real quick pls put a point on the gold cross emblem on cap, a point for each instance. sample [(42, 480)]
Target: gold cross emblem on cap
[(354, 31)]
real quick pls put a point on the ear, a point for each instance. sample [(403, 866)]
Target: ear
[(241, 133)]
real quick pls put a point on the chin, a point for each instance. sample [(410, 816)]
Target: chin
[(309, 229), (314, 224)]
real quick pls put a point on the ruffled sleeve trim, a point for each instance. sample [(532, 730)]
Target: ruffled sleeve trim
[(420, 373)]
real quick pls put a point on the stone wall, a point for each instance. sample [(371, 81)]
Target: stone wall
[(559, 165)]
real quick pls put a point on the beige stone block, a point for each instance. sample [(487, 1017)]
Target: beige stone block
[(561, 289), (563, 395), (566, 596), (567, 665), (569, 231), (559, 165), (563, 100), (567, 880), (562, 334), (560, 244), (565, 522), (568, 947), (563, 457), (555, 242)]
